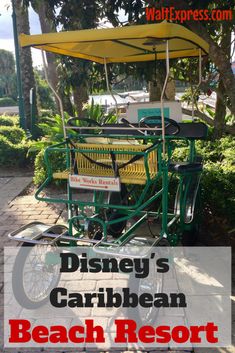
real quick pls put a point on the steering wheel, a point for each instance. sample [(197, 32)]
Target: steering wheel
[(156, 121), (91, 122)]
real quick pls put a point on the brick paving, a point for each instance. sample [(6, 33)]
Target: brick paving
[(9, 188), (18, 211)]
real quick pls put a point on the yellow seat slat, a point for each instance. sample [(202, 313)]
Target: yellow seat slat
[(133, 173)]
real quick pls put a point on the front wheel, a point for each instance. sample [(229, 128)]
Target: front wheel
[(34, 274)]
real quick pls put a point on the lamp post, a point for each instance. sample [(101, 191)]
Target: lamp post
[(18, 71)]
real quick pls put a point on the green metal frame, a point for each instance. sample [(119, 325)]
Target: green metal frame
[(168, 220)]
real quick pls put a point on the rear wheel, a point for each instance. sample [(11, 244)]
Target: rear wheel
[(190, 237), (33, 275), (110, 214), (191, 231), (150, 285)]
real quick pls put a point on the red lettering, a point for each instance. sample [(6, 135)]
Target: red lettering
[(40, 334), (150, 13), (211, 328), (19, 331), (147, 334), (125, 331), (91, 329), (195, 330), (180, 334), (73, 334), (59, 335), (163, 334)]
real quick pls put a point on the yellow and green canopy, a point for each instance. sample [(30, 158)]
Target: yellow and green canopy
[(121, 44)]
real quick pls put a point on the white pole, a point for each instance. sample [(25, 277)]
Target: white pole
[(162, 100), (54, 91), (199, 80), (108, 86)]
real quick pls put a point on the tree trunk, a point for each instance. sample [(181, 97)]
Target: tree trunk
[(154, 91), (80, 97), (28, 80), (220, 113), (155, 88), (46, 17), (67, 105), (170, 90), (230, 129), (220, 109), (216, 53), (222, 61)]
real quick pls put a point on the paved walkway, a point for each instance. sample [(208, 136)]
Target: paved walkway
[(17, 211), (10, 188)]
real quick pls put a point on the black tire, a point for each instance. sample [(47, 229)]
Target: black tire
[(18, 288), (117, 198), (135, 285), (116, 229), (190, 237)]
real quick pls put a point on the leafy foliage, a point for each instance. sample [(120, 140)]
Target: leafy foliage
[(44, 92), (218, 179), (5, 121), (9, 120), (95, 112), (57, 163), (13, 143), (12, 155), (7, 75), (7, 102), (14, 134), (52, 131)]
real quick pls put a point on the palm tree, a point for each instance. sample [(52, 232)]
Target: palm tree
[(28, 80), (47, 23)]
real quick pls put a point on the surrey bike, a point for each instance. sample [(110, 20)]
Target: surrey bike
[(127, 165)]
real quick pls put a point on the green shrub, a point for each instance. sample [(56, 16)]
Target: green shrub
[(39, 168), (218, 179), (57, 163), (9, 120), (13, 133), (12, 155), (5, 121), (7, 102), (218, 192)]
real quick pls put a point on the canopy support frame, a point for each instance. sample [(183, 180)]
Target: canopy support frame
[(55, 93), (199, 80), (108, 86), (162, 100)]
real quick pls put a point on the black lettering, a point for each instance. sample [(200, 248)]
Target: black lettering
[(178, 300), (114, 300), (54, 297), (162, 265), (161, 300), (95, 265), (130, 300)]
